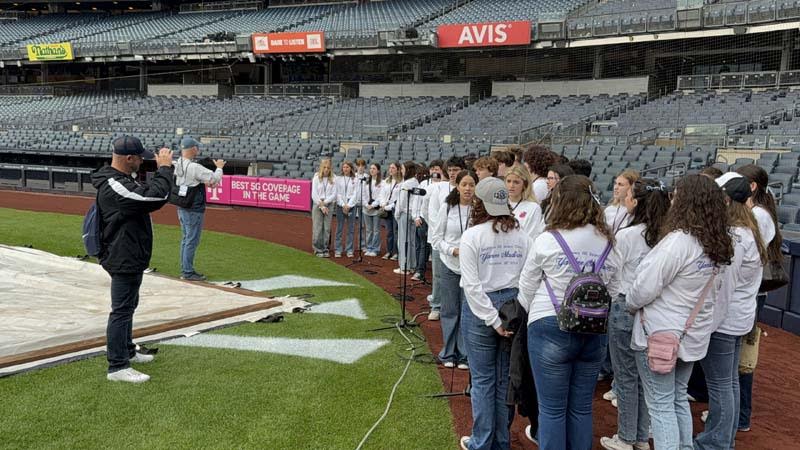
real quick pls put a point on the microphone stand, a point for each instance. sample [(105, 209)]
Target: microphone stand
[(360, 213), (403, 297)]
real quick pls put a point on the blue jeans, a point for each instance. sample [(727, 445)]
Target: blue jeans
[(373, 233), (423, 248), (668, 404), (721, 366), (344, 221), (191, 227), (633, 421), (488, 366), (391, 230), (746, 379), (119, 330), (436, 264), (565, 367), (453, 301)]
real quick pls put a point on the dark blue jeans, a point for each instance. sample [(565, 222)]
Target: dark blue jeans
[(119, 331), (488, 366), (565, 367), (721, 366), (423, 248), (391, 232)]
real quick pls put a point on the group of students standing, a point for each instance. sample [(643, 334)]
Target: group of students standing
[(513, 236)]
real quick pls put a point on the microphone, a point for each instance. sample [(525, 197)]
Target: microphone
[(415, 191)]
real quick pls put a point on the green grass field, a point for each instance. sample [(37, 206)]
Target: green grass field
[(209, 398)]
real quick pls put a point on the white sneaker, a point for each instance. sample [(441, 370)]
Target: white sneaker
[(610, 395), (429, 298), (704, 416), (691, 399), (350, 254), (141, 358), (463, 366), (337, 255), (464, 442), (529, 436), (433, 315), (615, 443), (128, 375), (449, 364), (614, 403)]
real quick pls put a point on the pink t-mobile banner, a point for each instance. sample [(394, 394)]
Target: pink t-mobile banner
[(276, 193)]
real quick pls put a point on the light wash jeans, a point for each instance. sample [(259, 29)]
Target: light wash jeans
[(343, 221), (321, 230), (406, 231), (721, 366), (436, 264), (565, 367), (191, 227), (453, 301), (488, 366), (668, 404), (372, 231), (633, 421)]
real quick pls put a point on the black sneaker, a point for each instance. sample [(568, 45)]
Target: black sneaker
[(193, 277)]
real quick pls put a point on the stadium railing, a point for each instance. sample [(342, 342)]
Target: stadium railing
[(741, 80)]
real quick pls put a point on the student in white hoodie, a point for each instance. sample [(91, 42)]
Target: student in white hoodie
[(565, 365), (323, 200), (389, 194), (406, 229), (437, 194), (492, 253), (453, 221), (763, 206), (346, 185), (617, 215), (370, 206), (647, 203), (537, 160), (520, 198), (670, 282), (734, 313)]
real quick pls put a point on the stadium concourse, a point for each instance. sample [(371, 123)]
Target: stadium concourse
[(776, 392)]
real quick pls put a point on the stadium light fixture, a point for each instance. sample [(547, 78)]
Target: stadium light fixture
[(19, 63), (138, 57), (2, 65)]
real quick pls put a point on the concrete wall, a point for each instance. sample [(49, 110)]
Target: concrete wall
[(609, 86), (201, 90), (414, 90)]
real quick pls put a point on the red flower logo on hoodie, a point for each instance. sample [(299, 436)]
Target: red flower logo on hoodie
[(523, 214)]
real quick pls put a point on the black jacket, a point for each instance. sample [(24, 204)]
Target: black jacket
[(125, 206)]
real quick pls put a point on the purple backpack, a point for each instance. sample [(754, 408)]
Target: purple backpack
[(586, 302)]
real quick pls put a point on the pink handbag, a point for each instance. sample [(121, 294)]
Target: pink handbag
[(662, 346)]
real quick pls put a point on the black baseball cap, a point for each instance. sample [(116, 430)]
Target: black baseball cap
[(131, 145), (736, 186)]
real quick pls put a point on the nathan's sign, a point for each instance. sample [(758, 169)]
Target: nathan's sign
[(484, 34), (50, 52), (300, 42)]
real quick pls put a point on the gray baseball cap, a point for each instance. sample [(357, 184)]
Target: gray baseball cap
[(492, 191)]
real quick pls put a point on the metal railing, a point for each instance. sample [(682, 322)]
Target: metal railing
[(305, 90), (221, 6), (739, 80)]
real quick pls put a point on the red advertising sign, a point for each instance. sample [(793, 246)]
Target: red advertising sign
[(484, 34), (299, 42)]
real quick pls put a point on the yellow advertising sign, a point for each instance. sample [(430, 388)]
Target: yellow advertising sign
[(50, 52)]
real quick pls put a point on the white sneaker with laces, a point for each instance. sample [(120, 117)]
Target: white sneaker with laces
[(463, 366), (449, 364), (615, 443), (464, 442), (128, 375), (614, 403), (433, 315), (610, 395), (142, 358), (704, 416)]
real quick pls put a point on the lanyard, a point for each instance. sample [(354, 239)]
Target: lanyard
[(461, 221), (615, 226), (515, 206)]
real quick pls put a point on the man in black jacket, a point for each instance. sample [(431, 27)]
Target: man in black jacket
[(124, 206)]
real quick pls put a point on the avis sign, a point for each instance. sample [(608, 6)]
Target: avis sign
[(492, 34)]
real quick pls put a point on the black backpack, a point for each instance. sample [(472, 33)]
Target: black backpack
[(586, 302)]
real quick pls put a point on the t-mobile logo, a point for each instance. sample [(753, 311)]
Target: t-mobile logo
[(215, 191)]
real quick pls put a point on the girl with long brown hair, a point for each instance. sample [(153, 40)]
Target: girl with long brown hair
[(565, 365), (389, 195), (677, 274), (492, 252), (647, 204)]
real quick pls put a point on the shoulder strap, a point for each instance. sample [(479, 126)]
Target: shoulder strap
[(699, 304), (602, 259), (567, 251), (551, 294)]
